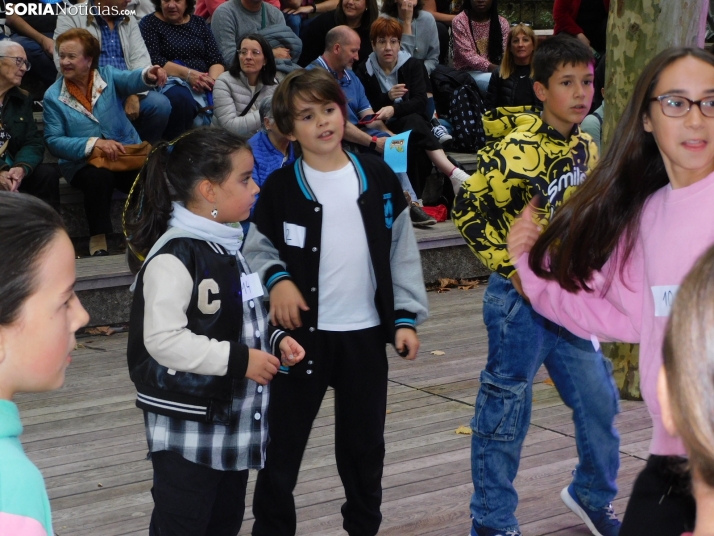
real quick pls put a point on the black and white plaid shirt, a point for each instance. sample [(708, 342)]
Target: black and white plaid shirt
[(239, 445)]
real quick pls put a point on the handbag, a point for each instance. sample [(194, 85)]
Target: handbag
[(134, 158)]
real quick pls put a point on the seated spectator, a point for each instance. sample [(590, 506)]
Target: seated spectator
[(141, 8), (296, 12), (444, 12), (395, 85), (184, 46), (122, 47), (512, 83), (584, 19), (419, 35), (82, 113), (239, 91), (592, 124), (236, 18), (34, 33), (480, 38), (21, 145), (206, 8), (356, 14), (271, 148)]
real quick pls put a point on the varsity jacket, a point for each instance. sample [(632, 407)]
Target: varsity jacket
[(289, 218), (206, 350), (524, 158)]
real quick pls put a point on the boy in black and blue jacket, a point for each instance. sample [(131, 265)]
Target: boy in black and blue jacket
[(349, 282)]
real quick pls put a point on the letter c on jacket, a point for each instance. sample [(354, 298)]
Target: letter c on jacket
[(205, 288)]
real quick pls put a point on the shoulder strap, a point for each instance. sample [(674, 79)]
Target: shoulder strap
[(247, 108), (263, 22)]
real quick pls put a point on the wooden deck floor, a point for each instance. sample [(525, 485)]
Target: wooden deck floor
[(88, 440)]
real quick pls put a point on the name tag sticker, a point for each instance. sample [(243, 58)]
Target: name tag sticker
[(250, 286), (664, 298), (294, 234)]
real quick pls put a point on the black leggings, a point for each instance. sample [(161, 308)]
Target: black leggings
[(98, 185), (421, 139), (661, 502)]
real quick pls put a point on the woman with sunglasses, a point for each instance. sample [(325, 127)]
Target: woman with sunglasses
[(511, 84)]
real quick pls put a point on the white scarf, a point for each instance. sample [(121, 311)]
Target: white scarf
[(230, 235)]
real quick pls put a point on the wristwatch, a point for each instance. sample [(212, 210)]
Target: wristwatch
[(314, 8), (373, 143)]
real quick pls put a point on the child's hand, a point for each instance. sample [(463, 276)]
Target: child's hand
[(290, 352), (406, 339), (262, 366), (524, 233), (286, 302)]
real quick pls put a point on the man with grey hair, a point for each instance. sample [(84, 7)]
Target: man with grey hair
[(21, 144), (271, 149)]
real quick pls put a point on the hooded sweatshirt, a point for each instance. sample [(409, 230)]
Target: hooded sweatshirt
[(675, 230), (524, 158), (24, 505)]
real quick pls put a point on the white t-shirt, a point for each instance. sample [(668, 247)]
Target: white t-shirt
[(347, 282)]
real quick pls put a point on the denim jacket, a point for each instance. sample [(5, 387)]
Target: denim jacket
[(71, 130)]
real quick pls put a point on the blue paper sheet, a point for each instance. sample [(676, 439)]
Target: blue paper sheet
[(395, 152)]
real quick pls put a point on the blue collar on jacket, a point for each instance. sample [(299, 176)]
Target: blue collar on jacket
[(305, 187)]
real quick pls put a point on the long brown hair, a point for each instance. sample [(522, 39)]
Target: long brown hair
[(689, 365), (508, 65), (368, 17), (604, 213)]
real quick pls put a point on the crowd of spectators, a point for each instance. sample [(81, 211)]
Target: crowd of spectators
[(223, 59)]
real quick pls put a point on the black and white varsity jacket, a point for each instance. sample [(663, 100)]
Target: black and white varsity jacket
[(286, 198), (205, 338)]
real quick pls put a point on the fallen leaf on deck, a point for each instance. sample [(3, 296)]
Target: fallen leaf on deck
[(100, 330), (464, 430), (466, 287), (446, 282), (438, 352), (548, 381), (100, 485), (389, 411)]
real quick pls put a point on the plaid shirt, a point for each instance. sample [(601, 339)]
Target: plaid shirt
[(241, 444), (112, 52)]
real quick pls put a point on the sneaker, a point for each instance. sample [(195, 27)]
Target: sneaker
[(439, 131), (602, 522), (485, 531), (419, 217)]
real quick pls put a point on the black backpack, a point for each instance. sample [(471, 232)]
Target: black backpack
[(458, 96)]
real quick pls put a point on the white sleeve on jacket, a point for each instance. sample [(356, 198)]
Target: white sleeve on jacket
[(405, 261), (167, 294)]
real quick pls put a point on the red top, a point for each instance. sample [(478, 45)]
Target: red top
[(564, 14)]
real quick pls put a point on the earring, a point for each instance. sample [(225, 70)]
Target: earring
[(214, 212)]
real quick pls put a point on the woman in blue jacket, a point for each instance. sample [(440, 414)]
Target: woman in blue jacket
[(81, 113)]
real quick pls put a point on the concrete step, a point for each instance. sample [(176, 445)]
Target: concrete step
[(103, 282)]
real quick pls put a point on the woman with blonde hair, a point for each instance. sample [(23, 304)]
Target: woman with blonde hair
[(511, 84)]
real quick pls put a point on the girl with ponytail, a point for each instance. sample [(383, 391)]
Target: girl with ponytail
[(200, 351)]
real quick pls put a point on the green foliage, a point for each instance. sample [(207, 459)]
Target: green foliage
[(625, 359), (537, 13)]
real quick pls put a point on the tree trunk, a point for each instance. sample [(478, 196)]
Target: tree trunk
[(637, 31)]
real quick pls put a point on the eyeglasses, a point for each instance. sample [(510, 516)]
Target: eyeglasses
[(514, 24), (245, 52), (676, 106), (383, 42), (19, 61)]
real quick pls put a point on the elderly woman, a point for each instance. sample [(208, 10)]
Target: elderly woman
[(357, 14), (21, 146), (239, 91), (184, 46), (511, 84), (395, 86), (83, 114)]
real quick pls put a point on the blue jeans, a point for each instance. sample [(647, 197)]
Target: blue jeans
[(154, 112), (519, 341), (482, 79), (43, 66)]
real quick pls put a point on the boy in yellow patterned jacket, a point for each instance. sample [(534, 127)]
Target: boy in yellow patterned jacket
[(543, 158)]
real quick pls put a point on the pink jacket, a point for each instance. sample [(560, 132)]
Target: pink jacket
[(676, 228), (470, 55)]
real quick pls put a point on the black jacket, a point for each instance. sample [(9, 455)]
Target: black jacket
[(286, 197), (502, 92), (313, 38), (196, 397), (412, 74)]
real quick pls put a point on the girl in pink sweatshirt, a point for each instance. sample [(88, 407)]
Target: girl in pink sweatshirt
[(610, 263)]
